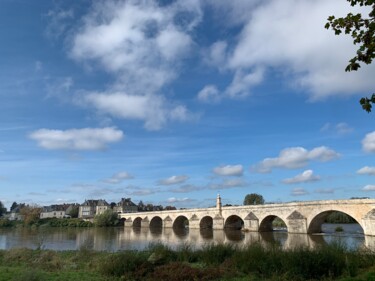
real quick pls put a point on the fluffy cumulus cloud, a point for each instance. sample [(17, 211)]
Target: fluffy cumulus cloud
[(368, 143), (296, 157), (118, 178), (306, 176), (77, 139), (366, 171), (153, 110), (173, 180), (229, 170), (142, 44), (299, 192), (369, 187), (272, 37)]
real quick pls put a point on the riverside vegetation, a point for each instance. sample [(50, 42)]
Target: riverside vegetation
[(212, 262)]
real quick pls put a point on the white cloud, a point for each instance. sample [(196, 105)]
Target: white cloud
[(209, 94), (243, 81), (299, 192), (368, 143), (118, 178), (178, 200), (306, 176), (152, 109), (296, 157), (369, 187), (142, 44), (272, 37), (339, 128), (229, 170), (366, 171), (77, 139), (173, 180)]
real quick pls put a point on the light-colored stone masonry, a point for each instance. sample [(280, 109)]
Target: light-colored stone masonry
[(300, 217)]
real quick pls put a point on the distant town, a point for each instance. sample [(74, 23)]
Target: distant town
[(86, 211)]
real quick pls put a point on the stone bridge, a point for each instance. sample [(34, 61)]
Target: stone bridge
[(299, 217)]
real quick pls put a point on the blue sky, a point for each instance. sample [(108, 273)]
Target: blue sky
[(171, 102)]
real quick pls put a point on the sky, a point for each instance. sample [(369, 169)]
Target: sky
[(173, 102)]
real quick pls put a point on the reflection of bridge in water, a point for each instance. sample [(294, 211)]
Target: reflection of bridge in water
[(299, 217), (141, 237)]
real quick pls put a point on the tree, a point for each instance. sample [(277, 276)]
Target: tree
[(107, 218), (3, 210), (74, 211), (253, 199), (362, 30), (14, 206), (30, 214)]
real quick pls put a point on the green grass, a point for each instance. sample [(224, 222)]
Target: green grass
[(213, 262)]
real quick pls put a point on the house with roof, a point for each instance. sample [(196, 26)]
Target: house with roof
[(126, 206), (90, 208), (56, 211)]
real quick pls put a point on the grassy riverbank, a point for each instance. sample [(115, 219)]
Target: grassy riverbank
[(220, 262)]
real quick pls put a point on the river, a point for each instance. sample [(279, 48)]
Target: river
[(120, 238)]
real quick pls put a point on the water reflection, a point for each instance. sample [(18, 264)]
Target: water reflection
[(113, 239)]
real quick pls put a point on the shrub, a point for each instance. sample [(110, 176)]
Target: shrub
[(5, 223), (121, 263), (107, 218)]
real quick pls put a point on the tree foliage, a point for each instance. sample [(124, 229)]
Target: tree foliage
[(30, 214), (74, 212), (3, 210), (253, 199), (107, 218), (362, 30)]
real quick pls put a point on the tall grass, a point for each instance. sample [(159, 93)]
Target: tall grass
[(212, 262)]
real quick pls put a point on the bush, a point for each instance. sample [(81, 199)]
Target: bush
[(107, 218), (121, 263), (5, 223)]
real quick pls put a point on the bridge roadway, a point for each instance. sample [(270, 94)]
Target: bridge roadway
[(299, 217)]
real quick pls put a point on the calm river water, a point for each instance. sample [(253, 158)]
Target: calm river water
[(114, 239)]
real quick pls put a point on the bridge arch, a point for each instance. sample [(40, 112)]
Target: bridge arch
[(315, 225), (234, 222), (267, 225), (206, 222), (181, 222), (137, 222), (156, 222)]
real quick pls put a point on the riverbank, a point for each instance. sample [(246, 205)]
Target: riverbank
[(213, 262)]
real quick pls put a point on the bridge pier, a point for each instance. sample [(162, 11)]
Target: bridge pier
[(218, 222), (251, 223), (368, 223), (128, 222), (145, 222), (194, 222), (167, 222), (296, 223)]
